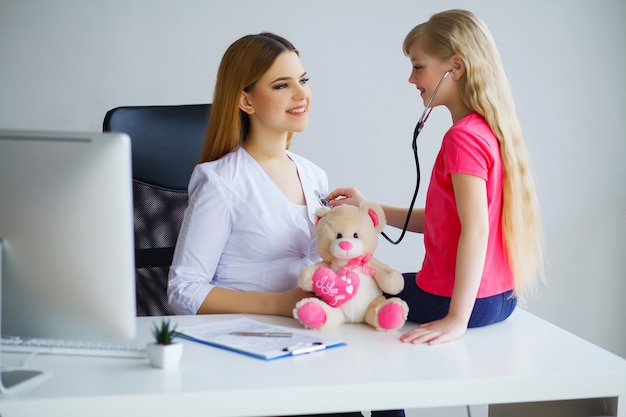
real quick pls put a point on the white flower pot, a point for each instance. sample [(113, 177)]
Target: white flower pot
[(165, 356)]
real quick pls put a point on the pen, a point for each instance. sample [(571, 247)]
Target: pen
[(263, 334), (302, 348)]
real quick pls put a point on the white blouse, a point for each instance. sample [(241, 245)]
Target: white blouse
[(241, 232)]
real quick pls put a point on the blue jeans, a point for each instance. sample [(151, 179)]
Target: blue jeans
[(425, 307)]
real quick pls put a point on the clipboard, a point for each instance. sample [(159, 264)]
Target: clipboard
[(259, 340)]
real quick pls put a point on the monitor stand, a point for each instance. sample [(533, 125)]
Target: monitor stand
[(13, 379)]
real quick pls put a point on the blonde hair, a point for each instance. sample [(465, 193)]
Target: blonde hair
[(243, 64), (485, 89)]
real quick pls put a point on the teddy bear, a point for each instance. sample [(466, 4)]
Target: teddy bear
[(349, 282)]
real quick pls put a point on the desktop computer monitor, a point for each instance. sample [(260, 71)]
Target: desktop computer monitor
[(66, 230)]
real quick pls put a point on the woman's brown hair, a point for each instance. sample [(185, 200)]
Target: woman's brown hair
[(243, 64)]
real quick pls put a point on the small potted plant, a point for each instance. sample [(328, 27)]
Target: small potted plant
[(164, 352)]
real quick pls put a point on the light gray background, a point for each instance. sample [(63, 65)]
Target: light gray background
[(64, 63)]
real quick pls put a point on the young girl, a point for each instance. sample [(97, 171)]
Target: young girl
[(248, 228), (480, 223)]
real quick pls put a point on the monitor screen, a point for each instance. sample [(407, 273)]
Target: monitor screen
[(66, 230)]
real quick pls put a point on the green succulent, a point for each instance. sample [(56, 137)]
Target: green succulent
[(165, 333)]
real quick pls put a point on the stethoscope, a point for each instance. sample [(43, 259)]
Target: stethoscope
[(418, 128)]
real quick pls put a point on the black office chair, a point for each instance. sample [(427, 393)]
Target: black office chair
[(166, 143)]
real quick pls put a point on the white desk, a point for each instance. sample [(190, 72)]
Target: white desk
[(523, 359)]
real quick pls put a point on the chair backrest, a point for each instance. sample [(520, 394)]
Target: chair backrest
[(166, 143)]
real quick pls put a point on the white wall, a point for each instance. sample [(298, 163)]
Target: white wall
[(64, 63)]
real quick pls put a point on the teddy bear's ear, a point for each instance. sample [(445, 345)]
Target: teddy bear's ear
[(376, 213), (320, 212)]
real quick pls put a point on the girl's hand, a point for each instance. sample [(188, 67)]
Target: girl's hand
[(436, 332), (348, 195)]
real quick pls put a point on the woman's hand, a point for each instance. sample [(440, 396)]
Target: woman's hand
[(288, 300), (436, 332), (227, 301), (348, 195)]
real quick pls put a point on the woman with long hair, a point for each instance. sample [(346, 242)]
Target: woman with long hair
[(248, 229)]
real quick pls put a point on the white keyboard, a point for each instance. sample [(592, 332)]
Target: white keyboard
[(70, 347)]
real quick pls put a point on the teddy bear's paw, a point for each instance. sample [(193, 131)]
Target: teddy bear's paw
[(335, 288), (392, 315), (310, 313)]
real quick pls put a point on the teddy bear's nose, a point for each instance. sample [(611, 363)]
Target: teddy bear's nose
[(345, 245)]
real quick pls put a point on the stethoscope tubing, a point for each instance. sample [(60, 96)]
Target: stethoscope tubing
[(418, 128)]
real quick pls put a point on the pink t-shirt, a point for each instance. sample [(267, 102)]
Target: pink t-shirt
[(468, 147)]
